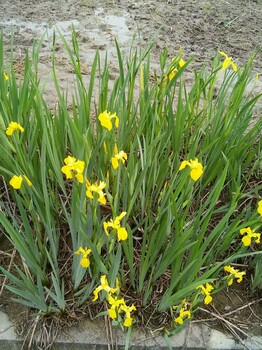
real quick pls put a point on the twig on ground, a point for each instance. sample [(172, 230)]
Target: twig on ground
[(242, 307), (109, 333), (231, 326), (31, 331)]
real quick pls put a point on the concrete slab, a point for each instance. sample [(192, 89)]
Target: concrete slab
[(255, 343), (91, 335), (218, 340), (7, 328)]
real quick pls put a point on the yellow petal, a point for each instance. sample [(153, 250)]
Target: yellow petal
[(106, 123), (208, 299), (27, 181), (69, 160), (80, 178), (67, 171), (16, 182), (80, 251), (226, 62), (181, 62), (120, 217), (183, 164), (246, 241), (196, 173), (230, 282), (222, 53), (122, 234), (185, 313), (123, 156), (95, 292), (172, 73), (105, 120), (106, 225), (209, 288), (86, 252), (115, 149), (229, 269), (245, 230), (239, 276), (102, 185), (234, 66), (103, 281), (85, 262), (102, 200), (117, 121), (105, 148), (112, 313), (111, 300), (128, 322), (112, 290), (259, 209), (89, 194), (179, 320), (79, 166), (9, 131), (114, 161)]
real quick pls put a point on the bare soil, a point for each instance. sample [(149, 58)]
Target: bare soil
[(200, 27)]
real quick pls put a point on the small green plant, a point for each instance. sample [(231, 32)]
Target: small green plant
[(152, 196)]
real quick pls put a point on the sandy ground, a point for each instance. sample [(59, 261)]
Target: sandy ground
[(201, 27)]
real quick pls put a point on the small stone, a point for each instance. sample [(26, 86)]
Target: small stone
[(7, 328), (133, 6)]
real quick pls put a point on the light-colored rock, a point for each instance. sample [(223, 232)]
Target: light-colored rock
[(92, 335), (7, 328), (219, 340), (254, 343), (195, 338)]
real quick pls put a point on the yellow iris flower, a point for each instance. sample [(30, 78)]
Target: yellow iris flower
[(181, 63), (95, 188), (85, 262), (104, 286), (105, 120), (249, 234), (183, 312), (73, 168), (115, 225), (115, 304), (228, 61), (259, 208), (206, 291), (16, 181), (13, 126), (119, 156), (234, 273), (182, 315), (128, 309), (195, 166)]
